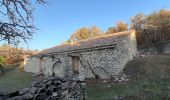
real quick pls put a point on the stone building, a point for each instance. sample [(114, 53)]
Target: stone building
[(104, 56)]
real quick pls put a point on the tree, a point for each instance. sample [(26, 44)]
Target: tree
[(137, 23), (81, 34), (2, 61), (159, 24), (85, 33), (111, 30), (16, 21), (95, 31), (120, 26), (12, 54), (153, 28)]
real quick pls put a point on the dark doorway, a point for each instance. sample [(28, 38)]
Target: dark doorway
[(76, 65)]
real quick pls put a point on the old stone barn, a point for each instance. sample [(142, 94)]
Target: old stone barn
[(103, 57)]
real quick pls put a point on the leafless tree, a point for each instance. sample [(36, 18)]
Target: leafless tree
[(16, 20)]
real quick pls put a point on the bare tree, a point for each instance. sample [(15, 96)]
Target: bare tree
[(16, 20)]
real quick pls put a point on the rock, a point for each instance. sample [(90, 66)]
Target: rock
[(33, 90), (24, 91), (52, 88), (65, 85), (55, 94), (79, 79), (16, 98), (50, 83), (28, 96), (13, 94), (44, 81), (41, 90), (2, 93)]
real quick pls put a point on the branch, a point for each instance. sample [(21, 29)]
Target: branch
[(18, 19)]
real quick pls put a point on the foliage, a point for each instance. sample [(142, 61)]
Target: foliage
[(12, 54), (2, 60), (152, 28), (16, 21), (85, 33), (120, 26)]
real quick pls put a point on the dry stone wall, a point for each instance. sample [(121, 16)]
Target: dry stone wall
[(32, 65), (110, 62), (61, 69), (152, 49), (106, 62), (52, 88)]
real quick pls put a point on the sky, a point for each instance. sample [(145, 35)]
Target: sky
[(58, 19)]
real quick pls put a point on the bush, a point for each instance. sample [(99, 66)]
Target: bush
[(2, 62)]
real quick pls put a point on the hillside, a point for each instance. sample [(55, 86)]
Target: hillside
[(148, 67), (149, 80)]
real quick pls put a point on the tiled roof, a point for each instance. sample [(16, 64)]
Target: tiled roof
[(101, 41)]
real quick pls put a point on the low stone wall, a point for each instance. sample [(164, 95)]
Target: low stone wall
[(50, 89), (152, 49)]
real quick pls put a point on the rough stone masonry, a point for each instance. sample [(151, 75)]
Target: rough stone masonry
[(105, 56), (52, 88)]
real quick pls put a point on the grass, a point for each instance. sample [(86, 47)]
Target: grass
[(149, 80), (141, 90), (97, 92), (14, 79)]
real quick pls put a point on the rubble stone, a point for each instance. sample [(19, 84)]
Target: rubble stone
[(52, 88)]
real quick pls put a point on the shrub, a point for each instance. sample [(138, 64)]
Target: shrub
[(2, 62)]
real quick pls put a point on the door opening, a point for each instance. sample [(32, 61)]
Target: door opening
[(76, 65)]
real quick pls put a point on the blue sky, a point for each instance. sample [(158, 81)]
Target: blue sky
[(58, 19)]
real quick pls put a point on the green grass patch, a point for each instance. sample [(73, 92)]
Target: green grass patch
[(99, 92), (141, 90), (13, 79)]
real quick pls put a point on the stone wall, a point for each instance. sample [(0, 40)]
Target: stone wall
[(52, 88), (107, 62), (111, 60), (32, 65), (151, 49), (62, 69)]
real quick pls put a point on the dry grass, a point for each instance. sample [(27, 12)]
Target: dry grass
[(149, 80), (148, 67)]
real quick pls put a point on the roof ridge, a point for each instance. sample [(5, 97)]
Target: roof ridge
[(91, 39)]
